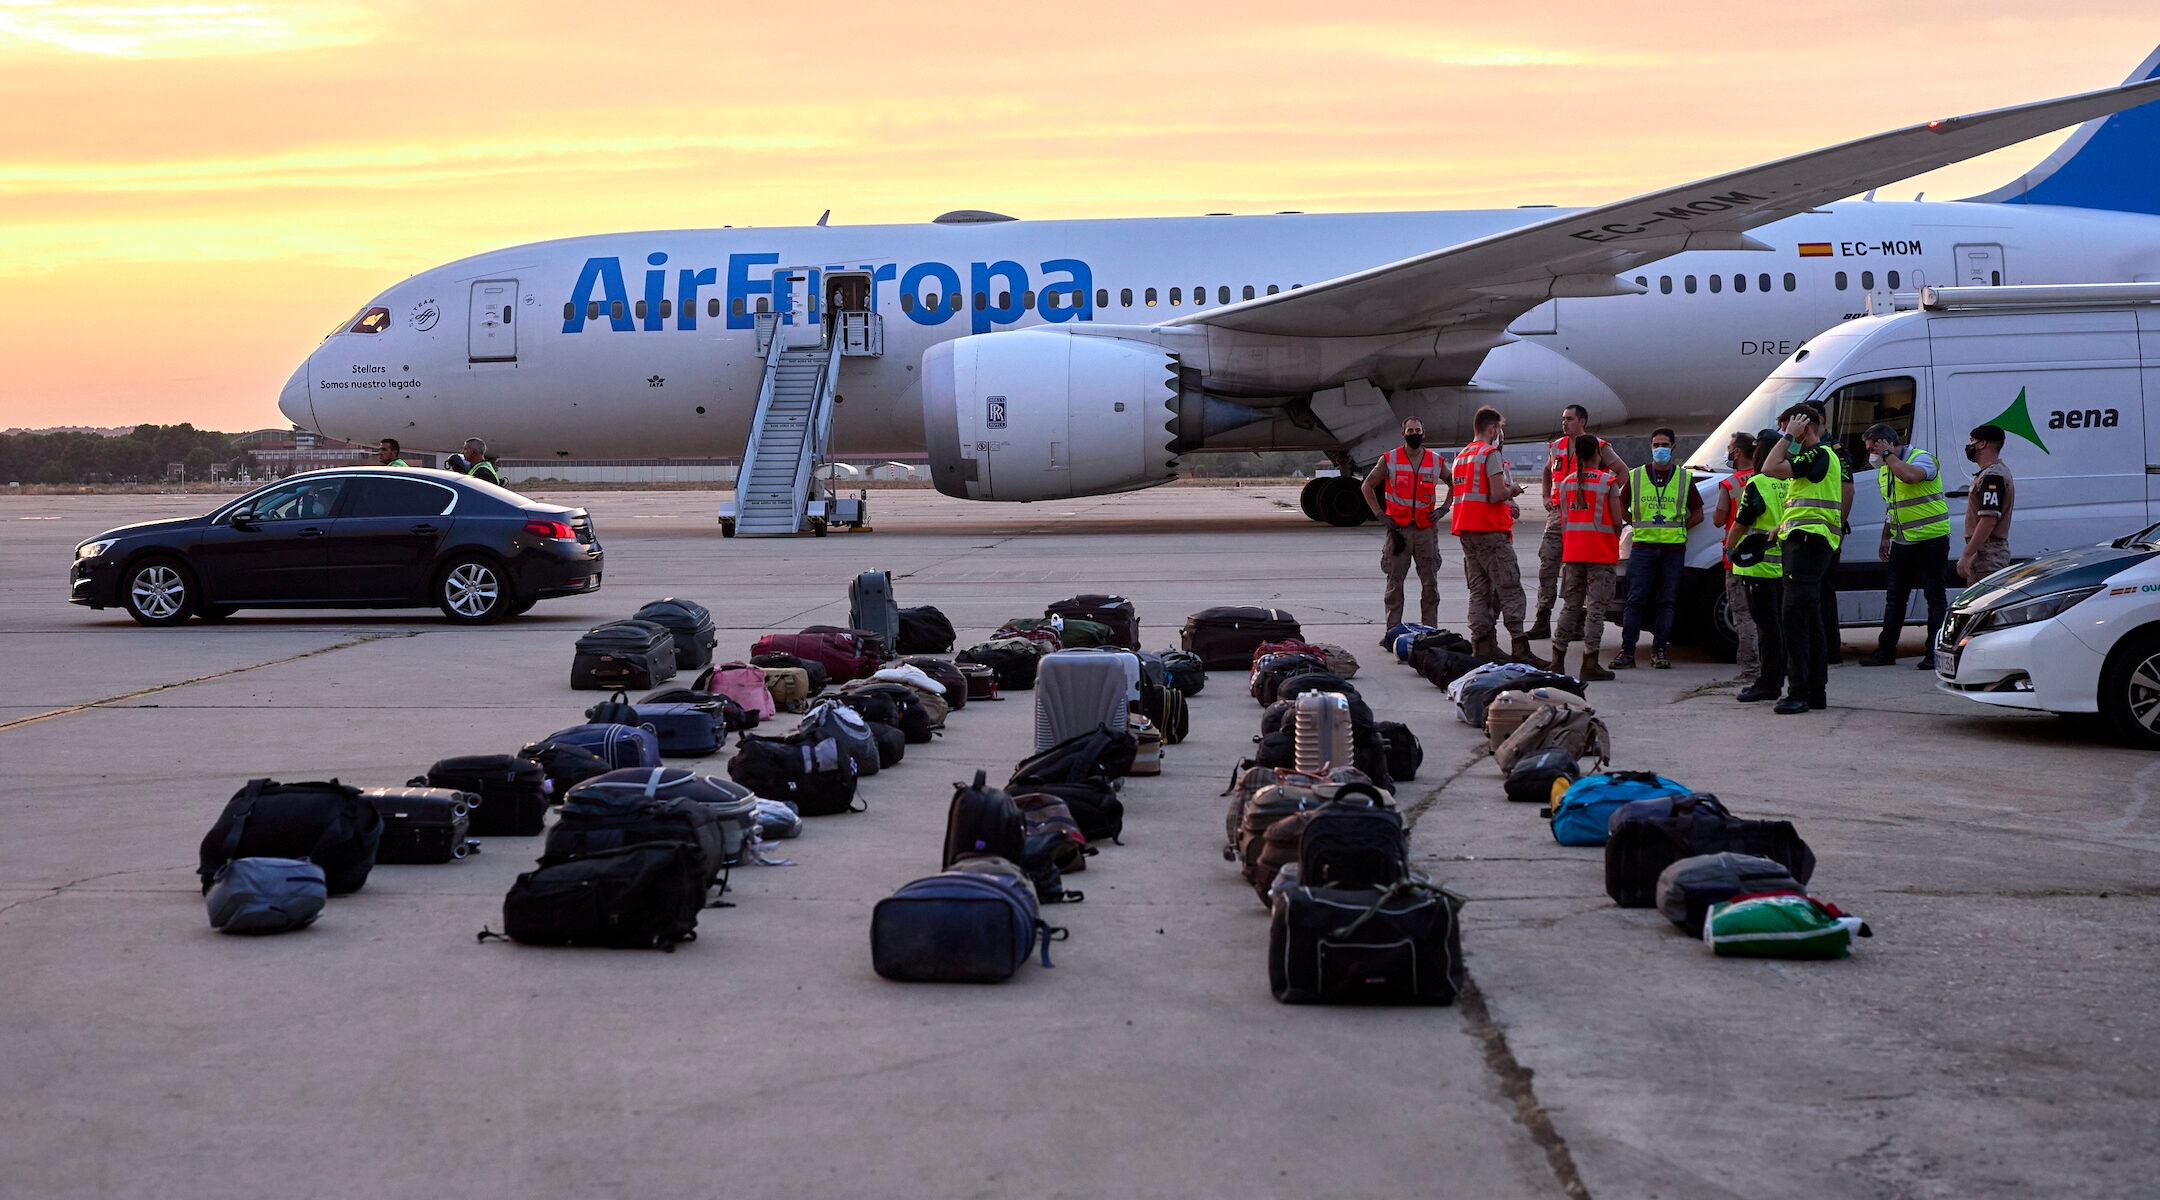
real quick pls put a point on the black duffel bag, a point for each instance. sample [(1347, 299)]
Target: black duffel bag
[(1094, 805), (925, 630), (1396, 945), (328, 824), (628, 808), (1015, 668), (1641, 848), (1443, 667), (647, 895)]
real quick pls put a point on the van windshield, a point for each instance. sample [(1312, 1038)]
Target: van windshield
[(1759, 411)]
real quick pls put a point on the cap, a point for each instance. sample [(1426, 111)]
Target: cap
[(1752, 549)]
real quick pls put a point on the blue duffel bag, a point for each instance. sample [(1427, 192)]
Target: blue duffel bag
[(266, 895), (1583, 814), (976, 923), (1398, 638), (620, 745)]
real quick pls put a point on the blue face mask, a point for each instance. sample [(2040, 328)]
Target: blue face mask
[(1661, 455)]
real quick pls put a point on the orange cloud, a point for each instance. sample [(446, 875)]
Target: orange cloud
[(194, 192)]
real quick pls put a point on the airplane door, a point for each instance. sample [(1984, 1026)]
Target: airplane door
[(795, 297), (1979, 265), (490, 329)]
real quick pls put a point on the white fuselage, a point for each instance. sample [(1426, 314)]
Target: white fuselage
[(555, 381)]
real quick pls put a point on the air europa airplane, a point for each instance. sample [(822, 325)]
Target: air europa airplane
[(1042, 359)]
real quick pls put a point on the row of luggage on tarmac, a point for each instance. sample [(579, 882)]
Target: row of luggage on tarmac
[(1738, 884)]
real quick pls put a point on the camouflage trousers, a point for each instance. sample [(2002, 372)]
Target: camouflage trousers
[(1494, 580), (1399, 549), (1993, 556), (1548, 561), (1585, 593), (1749, 658)]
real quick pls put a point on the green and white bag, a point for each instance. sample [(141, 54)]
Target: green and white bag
[(1787, 925)]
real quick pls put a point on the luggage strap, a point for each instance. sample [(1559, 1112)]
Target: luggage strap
[(1046, 933), (652, 783), (1401, 887)]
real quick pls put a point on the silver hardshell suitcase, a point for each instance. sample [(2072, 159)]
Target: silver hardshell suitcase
[(1321, 730), (1077, 690)]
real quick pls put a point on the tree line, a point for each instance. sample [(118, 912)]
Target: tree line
[(137, 457)]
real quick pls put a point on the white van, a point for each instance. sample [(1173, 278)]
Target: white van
[(2066, 370)]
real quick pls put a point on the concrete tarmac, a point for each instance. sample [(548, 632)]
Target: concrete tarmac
[(1995, 1038)]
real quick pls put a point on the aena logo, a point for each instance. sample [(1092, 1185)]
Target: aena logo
[(2018, 419)]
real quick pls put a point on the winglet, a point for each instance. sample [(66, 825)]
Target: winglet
[(2112, 163)]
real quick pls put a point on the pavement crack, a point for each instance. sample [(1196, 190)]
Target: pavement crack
[(1515, 1083), (139, 693), (54, 890)]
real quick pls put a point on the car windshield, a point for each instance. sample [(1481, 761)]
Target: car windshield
[(1759, 411)]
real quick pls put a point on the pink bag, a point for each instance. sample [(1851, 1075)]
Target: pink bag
[(742, 683)]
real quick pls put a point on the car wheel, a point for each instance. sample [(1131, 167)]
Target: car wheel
[(214, 612), (2130, 691), (473, 591), (1710, 618), (158, 591)]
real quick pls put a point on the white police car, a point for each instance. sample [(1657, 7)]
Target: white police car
[(2073, 632)]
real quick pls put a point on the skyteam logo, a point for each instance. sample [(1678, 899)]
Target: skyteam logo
[(1002, 292)]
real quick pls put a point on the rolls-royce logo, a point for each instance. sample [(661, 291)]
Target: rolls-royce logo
[(424, 315), (994, 416)]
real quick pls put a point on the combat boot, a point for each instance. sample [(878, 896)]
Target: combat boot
[(1523, 653), (1542, 629), (1591, 672), (1485, 647)]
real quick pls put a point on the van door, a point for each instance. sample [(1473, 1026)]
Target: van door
[(1979, 265), (490, 326), (2148, 320), (1850, 409), (2065, 389)]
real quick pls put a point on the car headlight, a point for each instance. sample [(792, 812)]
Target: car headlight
[(2032, 610), (93, 549)]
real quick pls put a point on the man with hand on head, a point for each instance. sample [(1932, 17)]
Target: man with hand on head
[(1403, 491), (1915, 539), (1808, 539)]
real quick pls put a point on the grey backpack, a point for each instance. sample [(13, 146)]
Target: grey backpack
[(266, 895)]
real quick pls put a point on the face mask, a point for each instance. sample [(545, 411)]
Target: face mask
[(1874, 460), (1661, 455), (1972, 453), (1413, 440), (1732, 463)]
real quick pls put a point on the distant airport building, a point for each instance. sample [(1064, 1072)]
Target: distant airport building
[(284, 451)]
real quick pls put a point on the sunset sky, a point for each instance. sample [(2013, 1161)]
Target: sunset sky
[(191, 194)]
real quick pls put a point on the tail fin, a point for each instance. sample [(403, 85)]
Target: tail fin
[(2112, 163)]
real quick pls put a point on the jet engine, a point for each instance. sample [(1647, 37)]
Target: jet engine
[(1041, 415)]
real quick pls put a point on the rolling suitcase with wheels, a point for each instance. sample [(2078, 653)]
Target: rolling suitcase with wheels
[(512, 791), (623, 654), (690, 624), (422, 824), (1116, 612), (1077, 691), (871, 606), (1322, 731), (1225, 637)]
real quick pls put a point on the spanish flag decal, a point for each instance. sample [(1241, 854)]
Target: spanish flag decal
[(1814, 249)]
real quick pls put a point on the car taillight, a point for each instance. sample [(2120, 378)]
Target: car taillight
[(549, 529)]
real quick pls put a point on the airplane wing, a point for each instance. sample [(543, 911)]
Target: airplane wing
[(1492, 280)]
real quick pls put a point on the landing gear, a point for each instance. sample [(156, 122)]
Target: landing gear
[(1337, 500)]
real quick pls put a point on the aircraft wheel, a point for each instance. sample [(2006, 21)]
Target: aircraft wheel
[(1343, 503), (1308, 500)]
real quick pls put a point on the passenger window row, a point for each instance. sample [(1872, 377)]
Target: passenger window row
[(931, 301), (1762, 283)]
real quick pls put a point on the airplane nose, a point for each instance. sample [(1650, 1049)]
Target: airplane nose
[(295, 401)]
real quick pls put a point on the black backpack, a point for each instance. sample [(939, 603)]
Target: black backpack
[(641, 896), (1531, 782), (1278, 748), (615, 710), (610, 813), (847, 727), (1185, 670), (891, 744), (1094, 805), (1015, 669), (1289, 689), (877, 706), (982, 820), (327, 824), (925, 630), (1640, 849), (947, 675), (1354, 841), (1271, 674), (566, 765), (913, 720), (1165, 706), (1404, 753), (818, 776), (1100, 751)]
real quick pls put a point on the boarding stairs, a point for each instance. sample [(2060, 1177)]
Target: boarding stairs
[(783, 485)]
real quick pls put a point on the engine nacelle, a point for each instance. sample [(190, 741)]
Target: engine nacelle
[(1032, 414)]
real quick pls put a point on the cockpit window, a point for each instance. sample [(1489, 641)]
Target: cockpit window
[(374, 320)]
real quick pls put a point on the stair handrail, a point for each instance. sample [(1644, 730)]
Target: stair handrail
[(766, 389), (817, 441)]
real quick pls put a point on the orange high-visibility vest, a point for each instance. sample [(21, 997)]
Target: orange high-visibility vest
[(1733, 485), (1562, 461), (1590, 508), (1413, 489), (1478, 506)]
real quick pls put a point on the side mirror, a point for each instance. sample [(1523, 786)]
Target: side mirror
[(242, 517)]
